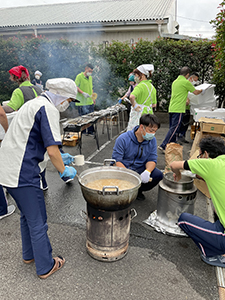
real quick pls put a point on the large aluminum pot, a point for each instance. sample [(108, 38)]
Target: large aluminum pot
[(105, 199), (185, 185)]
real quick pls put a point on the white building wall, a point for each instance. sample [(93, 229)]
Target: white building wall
[(97, 35)]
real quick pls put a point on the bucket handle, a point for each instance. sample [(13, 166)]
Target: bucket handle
[(135, 213), (82, 213), (109, 160), (110, 192)]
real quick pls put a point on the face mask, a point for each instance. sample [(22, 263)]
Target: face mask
[(148, 136), (63, 106), (37, 77), (194, 82), (89, 74), (136, 79)]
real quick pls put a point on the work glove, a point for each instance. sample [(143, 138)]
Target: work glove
[(145, 176), (67, 158), (86, 95), (137, 108), (120, 101), (68, 174)]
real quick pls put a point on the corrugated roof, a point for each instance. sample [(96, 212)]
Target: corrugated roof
[(85, 12)]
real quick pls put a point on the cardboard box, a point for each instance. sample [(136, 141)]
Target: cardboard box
[(199, 135), (212, 126), (200, 184), (71, 139), (194, 130), (202, 187), (70, 143), (214, 114), (195, 144)]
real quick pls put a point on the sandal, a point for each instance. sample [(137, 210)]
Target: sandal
[(28, 261), (59, 262), (216, 261)]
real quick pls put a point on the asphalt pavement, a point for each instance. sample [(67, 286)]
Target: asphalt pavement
[(157, 266)]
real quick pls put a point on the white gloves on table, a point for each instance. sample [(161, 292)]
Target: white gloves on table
[(86, 95), (145, 176)]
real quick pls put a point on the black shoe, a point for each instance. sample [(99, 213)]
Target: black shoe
[(161, 149), (140, 196), (182, 140), (91, 133)]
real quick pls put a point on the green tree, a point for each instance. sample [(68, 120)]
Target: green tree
[(218, 52), (112, 63)]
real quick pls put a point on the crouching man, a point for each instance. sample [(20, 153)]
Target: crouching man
[(209, 237), (137, 150)]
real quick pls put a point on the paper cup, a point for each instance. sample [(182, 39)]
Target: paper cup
[(79, 160)]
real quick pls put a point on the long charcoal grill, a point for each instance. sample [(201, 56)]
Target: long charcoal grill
[(83, 122)]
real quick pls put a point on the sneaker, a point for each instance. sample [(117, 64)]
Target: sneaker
[(161, 149), (11, 209), (217, 261), (182, 140), (179, 142), (140, 196), (91, 134)]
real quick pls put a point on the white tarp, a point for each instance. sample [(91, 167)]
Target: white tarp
[(205, 101)]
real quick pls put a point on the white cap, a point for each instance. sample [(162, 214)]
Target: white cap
[(65, 87), (38, 73), (145, 69)]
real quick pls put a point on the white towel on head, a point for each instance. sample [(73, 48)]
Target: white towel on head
[(145, 69), (38, 73)]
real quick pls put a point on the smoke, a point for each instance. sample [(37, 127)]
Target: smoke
[(67, 57)]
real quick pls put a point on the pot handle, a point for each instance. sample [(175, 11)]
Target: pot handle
[(82, 213), (109, 160), (135, 213), (111, 192)]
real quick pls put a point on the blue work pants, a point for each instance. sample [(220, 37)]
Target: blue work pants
[(84, 110), (209, 237), (175, 123), (184, 124), (3, 202), (33, 222)]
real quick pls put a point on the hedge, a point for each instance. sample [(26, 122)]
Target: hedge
[(112, 63)]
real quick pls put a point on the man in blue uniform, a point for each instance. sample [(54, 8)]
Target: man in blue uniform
[(137, 150)]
